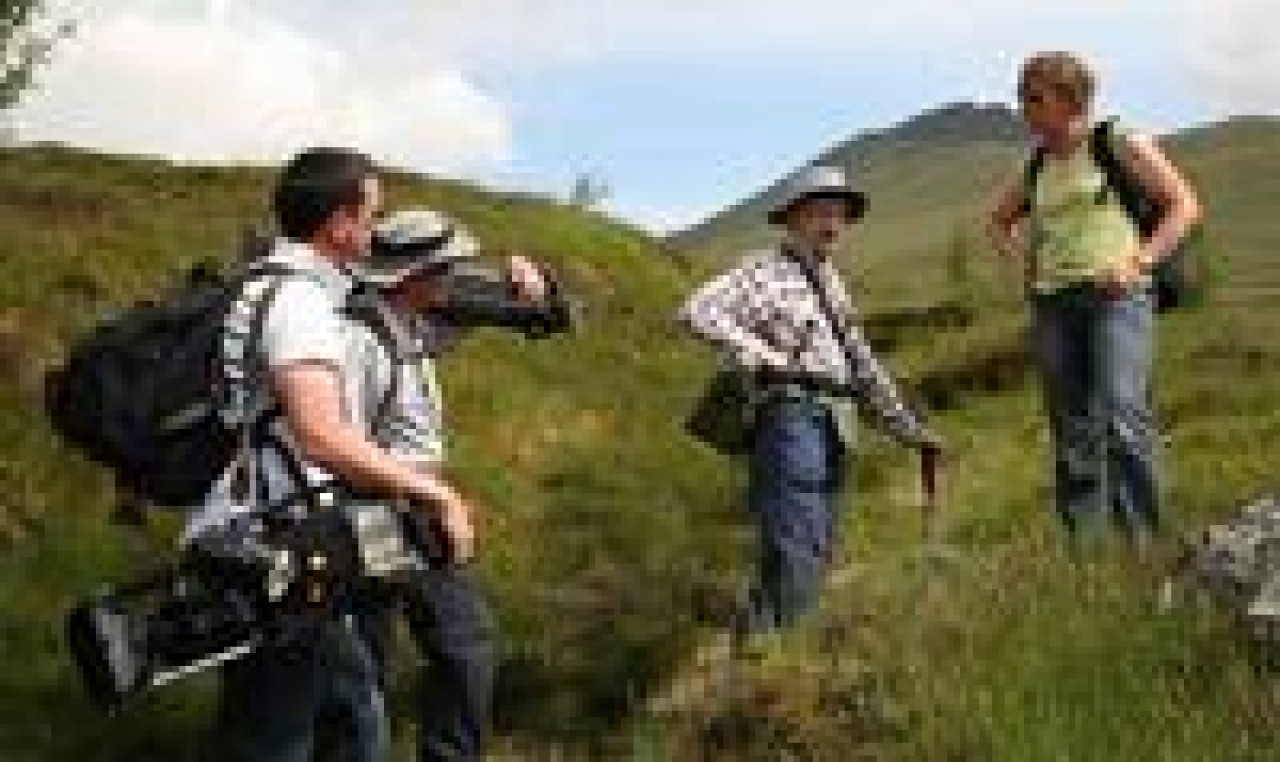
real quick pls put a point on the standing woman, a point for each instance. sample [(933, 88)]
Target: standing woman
[(1088, 272)]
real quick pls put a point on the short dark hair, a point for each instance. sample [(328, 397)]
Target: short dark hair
[(314, 185)]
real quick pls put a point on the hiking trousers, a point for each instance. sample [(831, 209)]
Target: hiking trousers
[(1094, 353), (796, 471), (453, 629), (271, 699)]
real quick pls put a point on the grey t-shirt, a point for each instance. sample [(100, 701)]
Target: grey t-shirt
[(306, 322)]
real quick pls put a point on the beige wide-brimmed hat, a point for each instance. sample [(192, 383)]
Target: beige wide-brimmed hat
[(820, 181), (413, 241)]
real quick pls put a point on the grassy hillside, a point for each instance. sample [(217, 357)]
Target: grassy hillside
[(569, 442), (614, 544), (1011, 652)]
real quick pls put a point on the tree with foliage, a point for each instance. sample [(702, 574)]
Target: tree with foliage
[(24, 45)]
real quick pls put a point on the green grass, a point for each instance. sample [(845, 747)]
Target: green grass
[(614, 545)]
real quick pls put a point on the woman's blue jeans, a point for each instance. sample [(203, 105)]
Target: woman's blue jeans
[(1094, 353)]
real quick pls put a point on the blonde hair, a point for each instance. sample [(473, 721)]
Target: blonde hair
[(1065, 74)]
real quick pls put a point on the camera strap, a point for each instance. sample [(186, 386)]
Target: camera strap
[(825, 306), (366, 308)]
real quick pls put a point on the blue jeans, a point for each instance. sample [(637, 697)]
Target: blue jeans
[(451, 625), (1094, 353), (797, 469), (273, 699)]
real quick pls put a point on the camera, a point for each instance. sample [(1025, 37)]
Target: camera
[(270, 579), (480, 297)]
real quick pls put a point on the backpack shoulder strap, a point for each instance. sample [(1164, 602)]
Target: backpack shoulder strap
[(830, 314), (274, 277), (365, 306), (252, 427), (1031, 176), (1103, 150), (1120, 180)]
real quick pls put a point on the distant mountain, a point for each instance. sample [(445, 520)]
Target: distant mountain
[(956, 126), (953, 124), (931, 179)]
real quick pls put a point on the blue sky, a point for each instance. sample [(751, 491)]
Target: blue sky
[(681, 106)]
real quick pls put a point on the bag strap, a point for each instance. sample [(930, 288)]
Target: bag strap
[(827, 308), (1117, 177), (361, 305), (253, 429), (1030, 176), (367, 307), (1120, 180)]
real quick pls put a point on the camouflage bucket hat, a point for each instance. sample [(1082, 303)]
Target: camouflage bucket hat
[(411, 242)]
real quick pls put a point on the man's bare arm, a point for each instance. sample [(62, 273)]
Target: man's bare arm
[(311, 398)]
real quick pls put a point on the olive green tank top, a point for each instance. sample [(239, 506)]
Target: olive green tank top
[(1079, 229)]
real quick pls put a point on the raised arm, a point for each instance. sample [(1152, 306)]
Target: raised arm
[(1008, 210), (1168, 188), (1005, 224), (726, 313)]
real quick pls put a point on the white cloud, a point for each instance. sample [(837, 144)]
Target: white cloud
[(233, 79), (218, 83), (584, 31), (1231, 52)]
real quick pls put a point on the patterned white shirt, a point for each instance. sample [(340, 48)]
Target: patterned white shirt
[(764, 314)]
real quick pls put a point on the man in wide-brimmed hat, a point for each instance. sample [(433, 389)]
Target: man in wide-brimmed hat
[(783, 318), (414, 256)]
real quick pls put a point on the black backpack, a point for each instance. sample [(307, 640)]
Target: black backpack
[(143, 392), (1178, 278)]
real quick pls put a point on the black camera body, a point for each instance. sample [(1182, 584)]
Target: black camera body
[(260, 580), (478, 297)]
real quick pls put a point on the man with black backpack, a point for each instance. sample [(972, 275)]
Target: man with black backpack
[(294, 401), (316, 378)]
